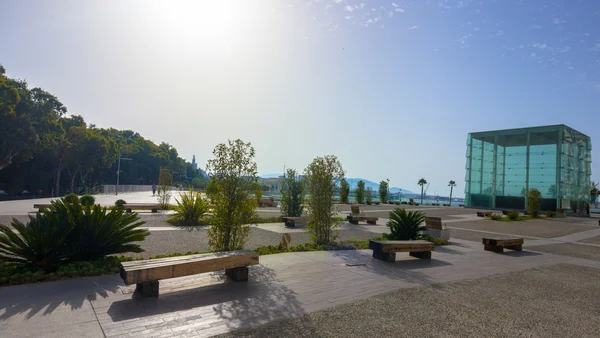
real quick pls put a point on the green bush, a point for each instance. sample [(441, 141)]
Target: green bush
[(405, 225), (436, 241), (550, 214), (513, 215), (258, 220), (292, 194), (496, 217), (69, 232), (71, 198), (120, 203), (190, 210), (403, 202), (533, 202), (87, 200)]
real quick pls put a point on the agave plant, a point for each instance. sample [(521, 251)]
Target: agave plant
[(405, 225), (190, 210), (70, 232)]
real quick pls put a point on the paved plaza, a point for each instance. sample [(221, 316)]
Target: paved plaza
[(461, 291)]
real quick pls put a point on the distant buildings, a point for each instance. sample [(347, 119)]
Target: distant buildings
[(503, 164)]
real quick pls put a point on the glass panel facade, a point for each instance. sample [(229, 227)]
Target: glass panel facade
[(503, 164)]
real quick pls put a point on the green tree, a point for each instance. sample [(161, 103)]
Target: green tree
[(344, 191), (533, 202), (422, 182), (384, 191), (369, 195), (360, 192), (233, 175), (164, 188), (292, 194), (405, 226), (451, 184), (321, 178)]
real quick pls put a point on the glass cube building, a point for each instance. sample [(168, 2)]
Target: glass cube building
[(503, 164)]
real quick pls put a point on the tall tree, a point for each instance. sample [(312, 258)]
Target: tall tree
[(344, 191), (292, 194), (422, 182), (322, 176), (360, 192), (451, 184), (233, 175), (384, 190)]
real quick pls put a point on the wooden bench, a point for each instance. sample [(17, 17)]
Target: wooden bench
[(498, 244), (146, 274), (355, 209), (291, 221), (354, 219), (386, 250), (433, 223), (42, 206), (141, 206)]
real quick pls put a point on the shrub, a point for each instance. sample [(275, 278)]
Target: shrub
[(190, 210), (68, 232), (403, 202), (513, 215), (87, 200), (533, 202), (120, 203), (292, 194), (258, 220), (369, 195), (71, 198), (164, 188), (496, 217), (436, 241), (344, 191), (405, 225), (550, 214)]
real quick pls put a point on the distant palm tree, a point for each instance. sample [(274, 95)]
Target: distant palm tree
[(422, 182), (451, 184)]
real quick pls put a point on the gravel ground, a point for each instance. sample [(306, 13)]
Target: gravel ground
[(552, 301), (571, 250), (593, 240), (196, 239), (543, 228), (475, 236)]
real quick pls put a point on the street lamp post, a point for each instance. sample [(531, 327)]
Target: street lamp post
[(119, 171)]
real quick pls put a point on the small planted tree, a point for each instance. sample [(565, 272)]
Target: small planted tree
[(383, 191), (360, 192), (233, 177), (164, 188), (369, 195), (344, 191), (533, 202), (321, 178), (292, 194)]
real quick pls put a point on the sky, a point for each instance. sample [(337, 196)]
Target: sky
[(392, 88)]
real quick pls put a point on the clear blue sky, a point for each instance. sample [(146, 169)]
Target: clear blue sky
[(390, 87)]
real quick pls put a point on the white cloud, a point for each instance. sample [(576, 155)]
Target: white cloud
[(337, 1), (536, 27), (558, 21), (539, 45), (413, 27), (564, 49), (349, 8), (394, 4), (399, 10)]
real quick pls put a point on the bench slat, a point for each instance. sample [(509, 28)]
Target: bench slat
[(152, 270), (401, 246)]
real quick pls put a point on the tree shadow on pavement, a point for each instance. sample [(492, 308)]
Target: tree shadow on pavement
[(45, 298)]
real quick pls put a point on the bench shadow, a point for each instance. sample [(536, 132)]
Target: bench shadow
[(406, 268), (238, 304), (511, 253)]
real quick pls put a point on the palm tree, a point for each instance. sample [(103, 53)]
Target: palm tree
[(451, 184), (422, 182)]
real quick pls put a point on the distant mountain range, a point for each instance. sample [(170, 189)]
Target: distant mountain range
[(354, 181)]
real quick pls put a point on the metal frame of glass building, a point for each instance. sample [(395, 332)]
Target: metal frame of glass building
[(503, 164)]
